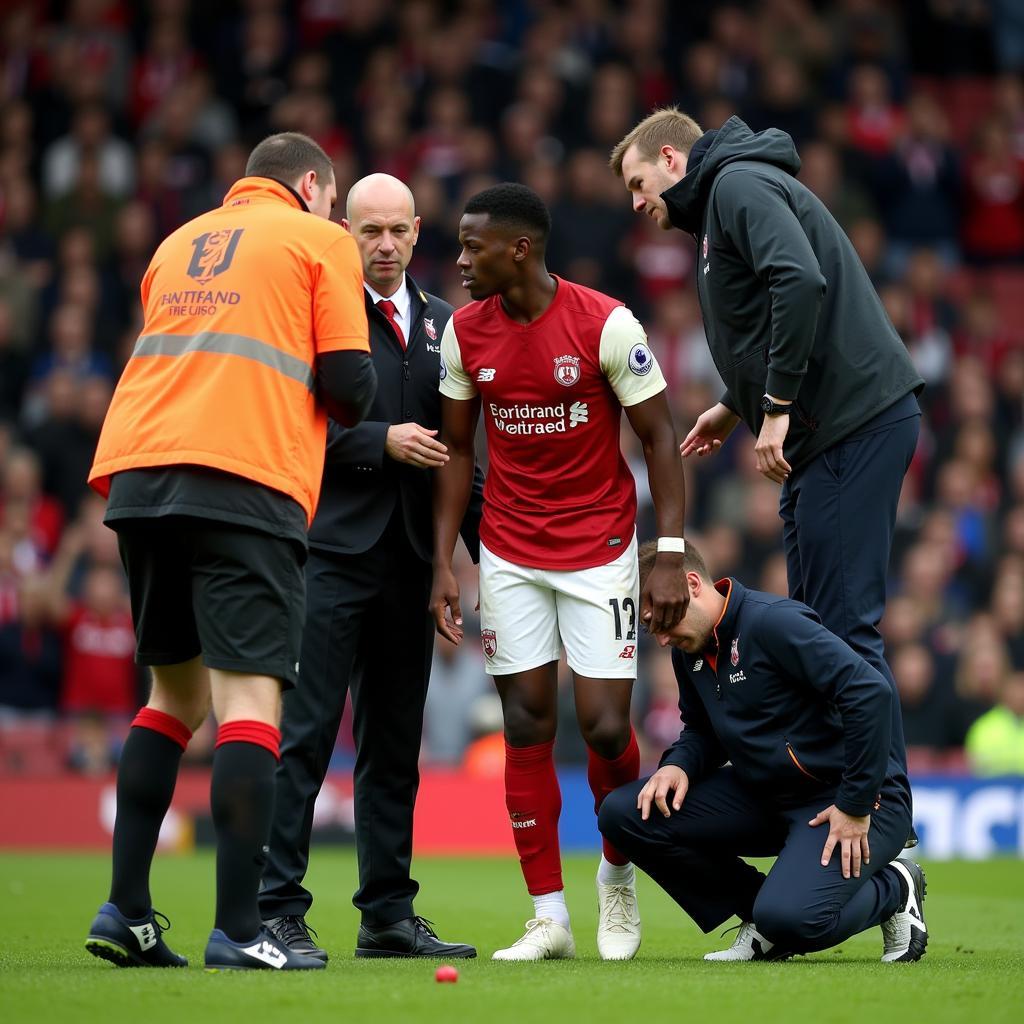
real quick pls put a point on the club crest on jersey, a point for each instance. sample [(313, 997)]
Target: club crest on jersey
[(704, 247), (640, 360), (489, 642), (734, 656), (428, 326), (567, 370)]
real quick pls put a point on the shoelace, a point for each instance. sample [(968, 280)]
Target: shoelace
[(622, 906), (423, 925), (161, 922), (293, 928), (535, 924)]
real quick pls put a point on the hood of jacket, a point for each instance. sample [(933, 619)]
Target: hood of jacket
[(686, 199)]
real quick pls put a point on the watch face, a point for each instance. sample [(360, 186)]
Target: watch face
[(767, 404)]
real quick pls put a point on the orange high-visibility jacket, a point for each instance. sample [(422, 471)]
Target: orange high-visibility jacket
[(238, 304)]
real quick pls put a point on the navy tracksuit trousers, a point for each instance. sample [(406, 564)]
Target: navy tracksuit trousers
[(694, 855), (839, 516)]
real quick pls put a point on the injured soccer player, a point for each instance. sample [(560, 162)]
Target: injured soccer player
[(554, 365), (784, 752)]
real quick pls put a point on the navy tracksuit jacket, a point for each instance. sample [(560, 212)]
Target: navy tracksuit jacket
[(792, 707), (781, 720)]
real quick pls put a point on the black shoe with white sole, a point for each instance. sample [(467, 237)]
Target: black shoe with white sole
[(131, 942), (905, 934), (293, 931), (263, 953)]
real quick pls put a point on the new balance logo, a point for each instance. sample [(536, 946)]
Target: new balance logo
[(486, 374), (268, 953), (145, 933), (578, 413)]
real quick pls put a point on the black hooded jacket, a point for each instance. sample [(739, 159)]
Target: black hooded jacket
[(788, 308)]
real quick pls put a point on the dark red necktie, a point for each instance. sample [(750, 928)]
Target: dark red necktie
[(388, 308)]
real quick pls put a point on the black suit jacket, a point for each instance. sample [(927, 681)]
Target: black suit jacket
[(361, 483)]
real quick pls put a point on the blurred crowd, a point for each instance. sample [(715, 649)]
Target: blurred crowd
[(120, 120)]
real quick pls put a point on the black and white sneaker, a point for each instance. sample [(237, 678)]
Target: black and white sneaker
[(293, 931), (905, 934), (129, 942), (263, 953), (750, 944)]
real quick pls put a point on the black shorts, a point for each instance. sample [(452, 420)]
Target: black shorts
[(199, 586)]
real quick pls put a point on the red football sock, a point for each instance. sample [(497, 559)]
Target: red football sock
[(534, 803), (165, 724), (604, 776), (261, 734)]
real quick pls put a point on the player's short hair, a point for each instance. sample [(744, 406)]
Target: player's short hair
[(516, 207), (668, 126), (692, 561), (287, 156)]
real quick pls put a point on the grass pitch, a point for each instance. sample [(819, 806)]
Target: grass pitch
[(974, 970)]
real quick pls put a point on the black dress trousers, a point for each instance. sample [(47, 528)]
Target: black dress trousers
[(367, 631)]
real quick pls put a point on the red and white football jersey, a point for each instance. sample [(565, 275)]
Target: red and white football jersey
[(559, 494)]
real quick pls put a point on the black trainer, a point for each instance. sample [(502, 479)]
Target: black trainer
[(905, 934), (411, 937), (129, 942), (263, 953), (293, 931)]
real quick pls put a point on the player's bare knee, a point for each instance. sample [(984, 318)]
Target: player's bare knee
[(607, 736), (526, 726)]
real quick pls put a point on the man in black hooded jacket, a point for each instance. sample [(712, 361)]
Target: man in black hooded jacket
[(810, 360)]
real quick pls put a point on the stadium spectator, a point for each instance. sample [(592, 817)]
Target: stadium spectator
[(99, 685), (993, 216), (995, 742), (917, 186)]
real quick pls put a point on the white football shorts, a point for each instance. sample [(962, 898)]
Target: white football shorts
[(528, 615)]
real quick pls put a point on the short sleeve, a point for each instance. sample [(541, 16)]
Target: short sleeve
[(455, 382), (339, 309), (627, 360)]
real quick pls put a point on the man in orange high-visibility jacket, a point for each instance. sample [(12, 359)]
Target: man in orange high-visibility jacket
[(211, 457)]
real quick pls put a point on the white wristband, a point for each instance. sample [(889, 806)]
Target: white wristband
[(672, 544)]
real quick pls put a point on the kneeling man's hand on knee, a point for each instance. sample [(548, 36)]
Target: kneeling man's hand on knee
[(659, 785), (851, 833)]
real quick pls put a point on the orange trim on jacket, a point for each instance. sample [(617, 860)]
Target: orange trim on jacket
[(712, 656)]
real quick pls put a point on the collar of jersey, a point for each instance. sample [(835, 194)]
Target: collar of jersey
[(550, 311), (254, 189)]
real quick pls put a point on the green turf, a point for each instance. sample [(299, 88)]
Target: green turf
[(974, 970)]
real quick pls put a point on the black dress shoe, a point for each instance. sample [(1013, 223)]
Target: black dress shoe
[(412, 936), (293, 931)]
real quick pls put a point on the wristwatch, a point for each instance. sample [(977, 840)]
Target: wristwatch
[(770, 408)]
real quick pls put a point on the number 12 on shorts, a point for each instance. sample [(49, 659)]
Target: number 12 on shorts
[(628, 608)]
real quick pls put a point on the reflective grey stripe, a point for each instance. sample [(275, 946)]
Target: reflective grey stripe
[(226, 344)]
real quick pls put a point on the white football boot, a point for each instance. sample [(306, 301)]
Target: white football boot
[(905, 934), (750, 944), (618, 922), (544, 939)]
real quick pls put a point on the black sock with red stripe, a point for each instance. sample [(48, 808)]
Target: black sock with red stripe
[(146, 775), (242, 802)]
